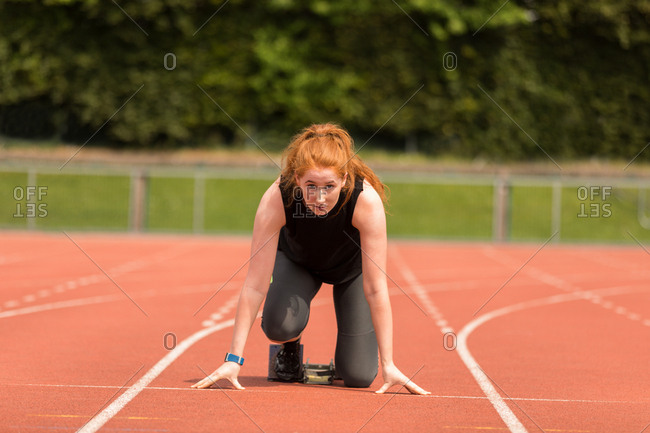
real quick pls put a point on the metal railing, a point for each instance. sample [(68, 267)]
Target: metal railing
[(593, 197)]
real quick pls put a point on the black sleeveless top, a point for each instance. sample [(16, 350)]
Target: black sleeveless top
[(327, 245)]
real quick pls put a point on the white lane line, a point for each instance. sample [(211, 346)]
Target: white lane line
[(564, 285), (506, 414), (508, 417), (81, 282), (78, 302), (420, 292), (287, 391), (11, 304), (472, 325), (61, 304), (117, 405)]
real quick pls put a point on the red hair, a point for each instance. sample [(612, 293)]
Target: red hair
[(326, 146)]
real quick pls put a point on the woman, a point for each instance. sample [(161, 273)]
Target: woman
[(322, 221)]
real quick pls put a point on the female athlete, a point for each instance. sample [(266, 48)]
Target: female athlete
[(322, 221)]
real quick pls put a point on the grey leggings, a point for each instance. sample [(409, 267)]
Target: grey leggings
[(286, 312)]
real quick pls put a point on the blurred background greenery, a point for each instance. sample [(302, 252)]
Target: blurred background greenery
[(572, 74), (502, 82)]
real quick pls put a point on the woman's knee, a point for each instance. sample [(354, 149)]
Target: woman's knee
[(279, 329)]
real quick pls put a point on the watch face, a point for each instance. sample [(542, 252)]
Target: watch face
[(234, 358)]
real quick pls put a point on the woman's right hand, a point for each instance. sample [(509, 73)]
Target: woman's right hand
[(227, 370)]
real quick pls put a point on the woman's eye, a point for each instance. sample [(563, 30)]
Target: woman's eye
[(311, 187)]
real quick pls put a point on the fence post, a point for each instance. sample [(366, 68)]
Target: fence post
[(31, 181), (501, 210), (644, 220), (556, 210), (138, 200), (199, 202)]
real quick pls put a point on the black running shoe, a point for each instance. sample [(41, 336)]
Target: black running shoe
[(287, 362)]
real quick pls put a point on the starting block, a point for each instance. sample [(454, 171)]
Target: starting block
[(321, 374)]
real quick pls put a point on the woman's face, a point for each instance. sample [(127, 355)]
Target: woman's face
[(320, 189)]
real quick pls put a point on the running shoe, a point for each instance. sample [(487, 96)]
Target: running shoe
[(287, 362)]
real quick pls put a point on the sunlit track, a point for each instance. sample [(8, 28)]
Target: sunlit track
[(550, 341)]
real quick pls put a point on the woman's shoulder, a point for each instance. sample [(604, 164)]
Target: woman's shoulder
[(369, 206), (368, 193), (272, 199)]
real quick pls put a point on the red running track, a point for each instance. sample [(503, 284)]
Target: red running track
[(106, 332)]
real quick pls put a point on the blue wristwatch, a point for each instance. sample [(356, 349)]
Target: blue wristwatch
[(234, 358)]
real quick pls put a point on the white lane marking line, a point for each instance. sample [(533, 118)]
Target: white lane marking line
[(111, 410), (287, 391), (78, 302), (129, 266), (506, 414), (559, 283), (472, 325), (508, 417), (29, 298), (419, 291), (58, 305), (11, 304), (117, 405)]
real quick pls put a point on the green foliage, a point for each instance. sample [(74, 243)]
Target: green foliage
[(572, 75)]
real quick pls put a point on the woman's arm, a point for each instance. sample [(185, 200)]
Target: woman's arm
[(269, 219), (370, 219)]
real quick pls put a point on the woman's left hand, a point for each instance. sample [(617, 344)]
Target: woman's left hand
[(392, 376)]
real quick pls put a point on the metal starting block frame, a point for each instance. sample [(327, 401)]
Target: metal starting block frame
[(321, 374)]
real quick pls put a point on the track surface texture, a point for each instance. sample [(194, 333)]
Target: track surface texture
[(106, 332)]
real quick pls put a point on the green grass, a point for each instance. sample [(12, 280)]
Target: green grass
[(441, 211), (85, 202), (231, 204), (530, 208), (608, 219), (170, 204), (13, 210), (417, 210)]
